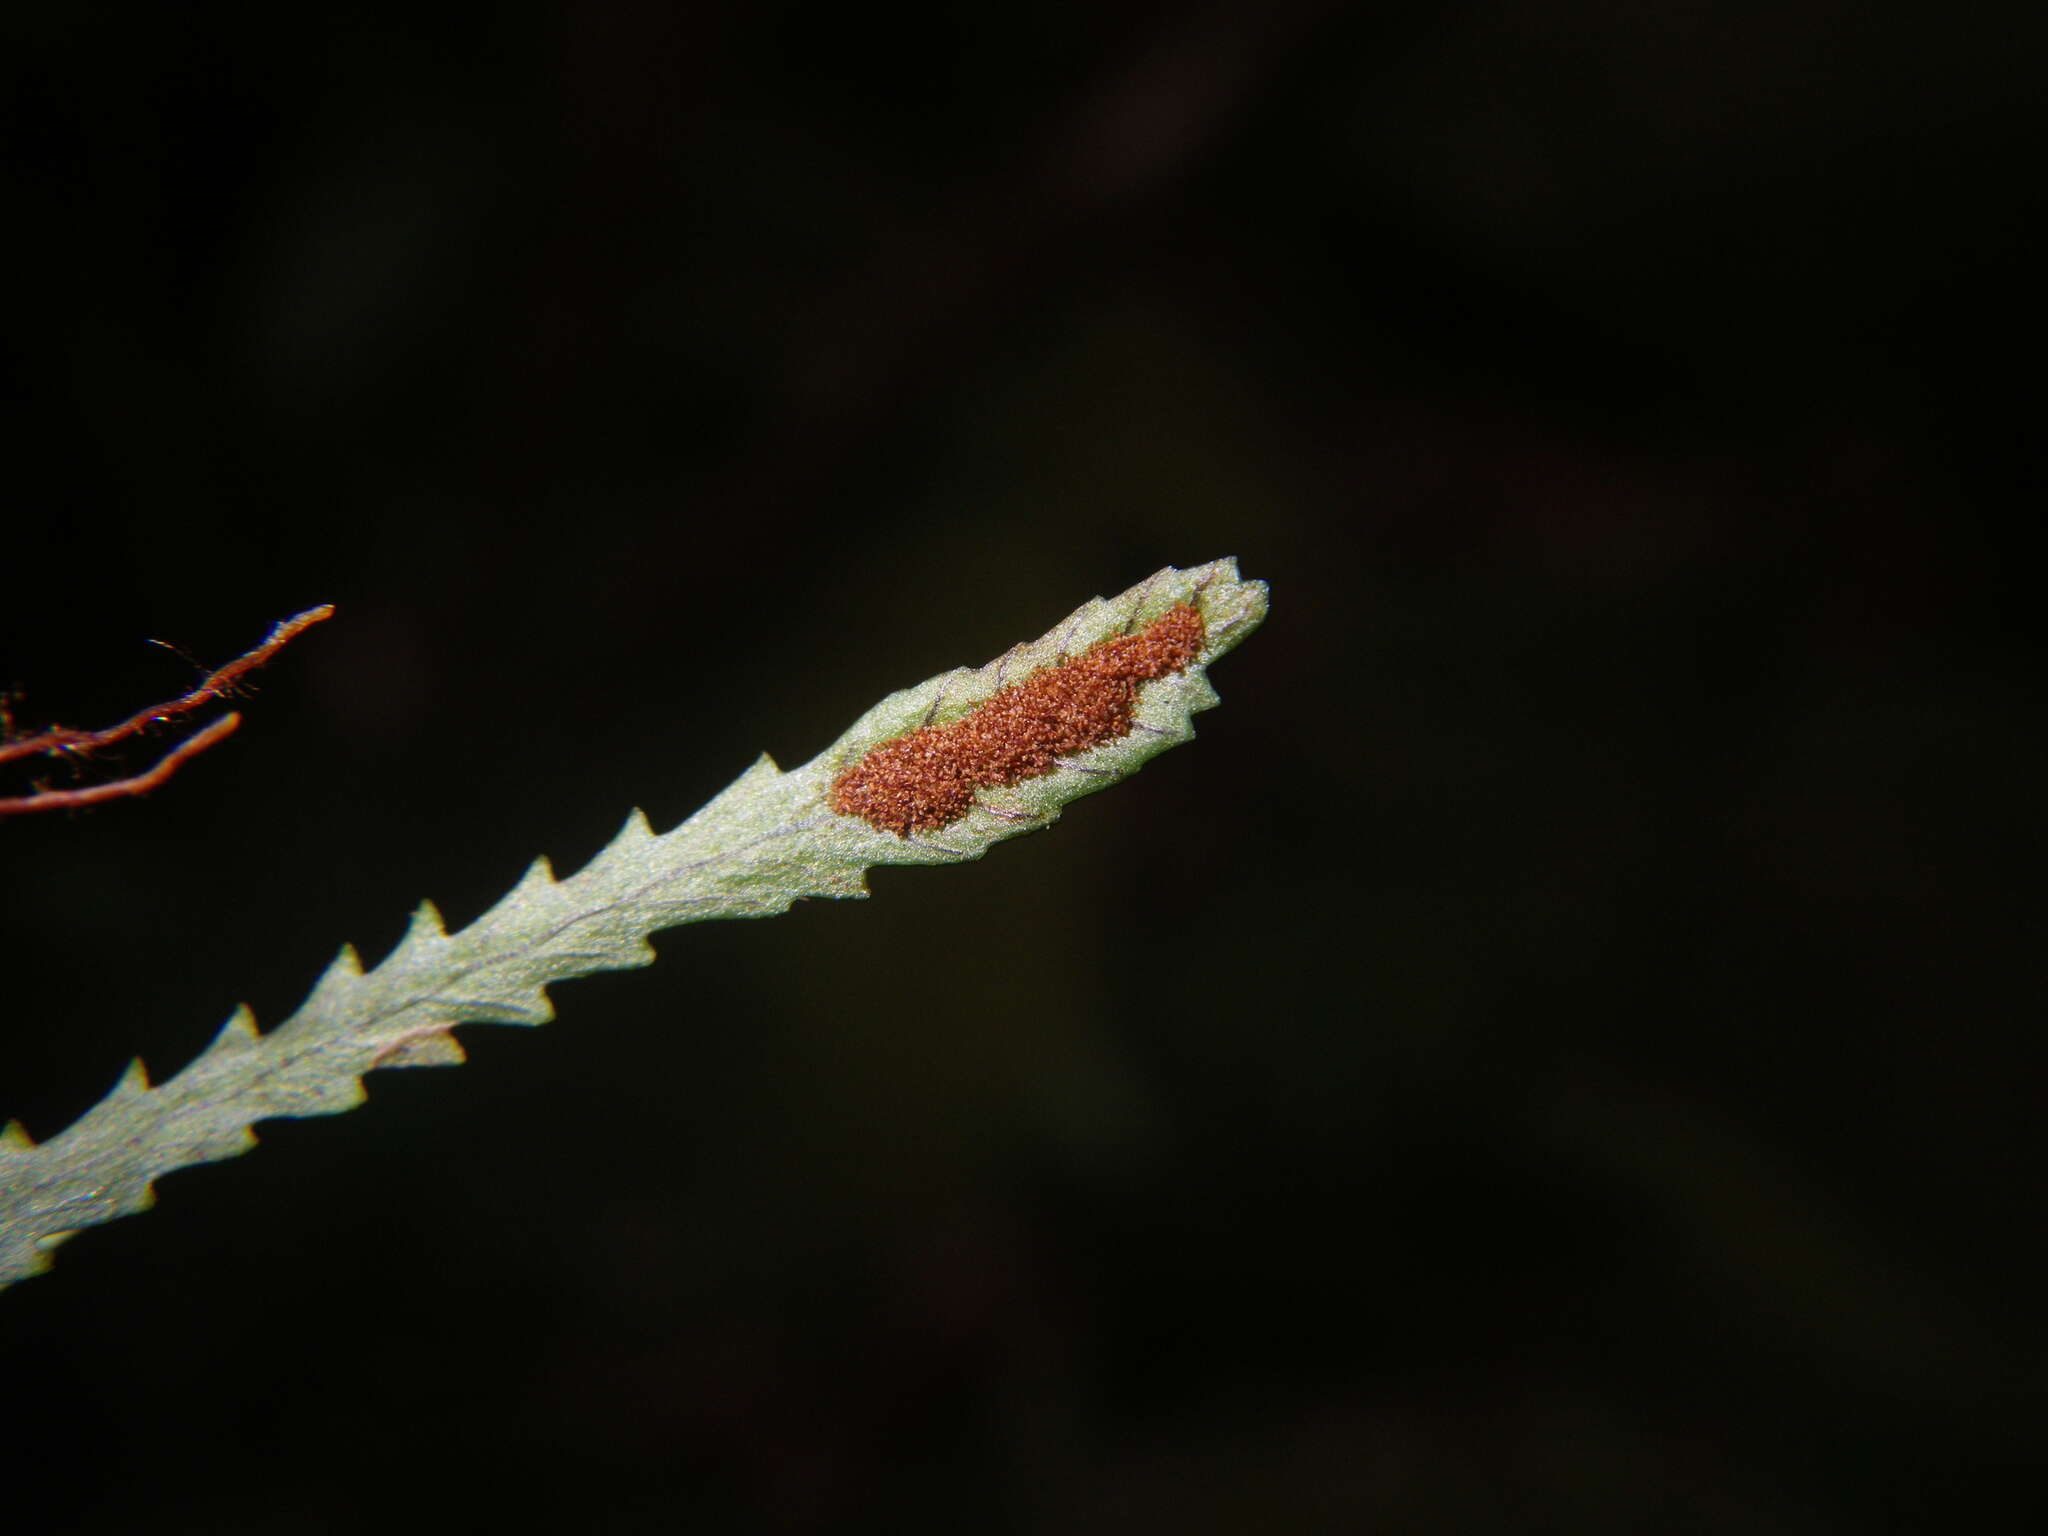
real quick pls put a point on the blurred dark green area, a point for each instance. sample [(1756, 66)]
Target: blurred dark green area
[(1558, 1054)]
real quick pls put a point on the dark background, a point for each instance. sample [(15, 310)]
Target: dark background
[(1558, 1054)]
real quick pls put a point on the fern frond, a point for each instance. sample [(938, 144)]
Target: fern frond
[(977, 756)]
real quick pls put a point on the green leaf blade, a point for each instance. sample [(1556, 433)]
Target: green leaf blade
[(770, 839)]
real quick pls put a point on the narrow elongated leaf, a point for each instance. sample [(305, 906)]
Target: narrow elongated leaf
[(931, 775)]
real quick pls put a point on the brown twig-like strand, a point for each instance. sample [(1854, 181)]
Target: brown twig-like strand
[(121, 789), (216, 684), (65, 742), (926, 780)]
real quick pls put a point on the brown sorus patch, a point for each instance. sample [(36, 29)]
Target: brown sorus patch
[(927, 779)]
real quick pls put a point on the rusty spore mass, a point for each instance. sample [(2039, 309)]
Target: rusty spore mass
[(927, 779)]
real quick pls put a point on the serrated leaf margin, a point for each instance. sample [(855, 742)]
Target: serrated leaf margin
[(771, 838)]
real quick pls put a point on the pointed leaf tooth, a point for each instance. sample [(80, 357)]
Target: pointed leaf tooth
[(621, 949), (531, 886), (311, 1091), (234, 1039), (440, 1049), (134, 1081), (14, 1137), (635, 833), (624, 851), (232, 1142), (240, 1032), (424, 931), (524, 1007), (21, 1258), (344, 971), (842, 880)]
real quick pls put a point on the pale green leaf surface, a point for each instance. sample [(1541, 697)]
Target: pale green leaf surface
[(770, 839)]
